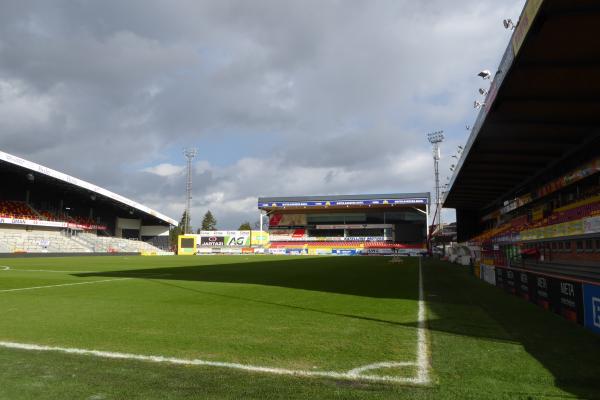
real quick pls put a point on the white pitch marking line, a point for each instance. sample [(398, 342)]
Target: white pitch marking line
[(385, 364), (127, 274), (180, 361), (62, 284), (422, 357), (2, 268)]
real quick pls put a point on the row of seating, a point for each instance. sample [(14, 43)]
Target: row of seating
[(16, 209), (520, 224), (22, 210)]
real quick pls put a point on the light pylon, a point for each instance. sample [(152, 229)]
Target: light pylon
[(189, 153), (435, 138)]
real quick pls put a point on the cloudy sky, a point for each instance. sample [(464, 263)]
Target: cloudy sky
[(280, 97)]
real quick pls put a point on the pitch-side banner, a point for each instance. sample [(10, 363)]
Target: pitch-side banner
[(223, 239), (52, 224)]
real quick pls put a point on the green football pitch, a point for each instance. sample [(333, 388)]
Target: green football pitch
[(278, 327)]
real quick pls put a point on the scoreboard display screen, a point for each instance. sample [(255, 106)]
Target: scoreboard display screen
[(187, 243)]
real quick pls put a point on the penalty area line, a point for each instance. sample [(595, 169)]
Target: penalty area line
[(351, 375)]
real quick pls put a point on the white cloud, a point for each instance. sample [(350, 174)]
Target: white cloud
[(165, 169)]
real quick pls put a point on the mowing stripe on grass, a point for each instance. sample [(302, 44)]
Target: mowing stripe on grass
[(196, 362), (62, 284)]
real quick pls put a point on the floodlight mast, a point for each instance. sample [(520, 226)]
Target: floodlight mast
[(189, 153), (435, 138)]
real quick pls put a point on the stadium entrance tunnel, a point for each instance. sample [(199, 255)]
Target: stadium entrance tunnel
[(457, 305)]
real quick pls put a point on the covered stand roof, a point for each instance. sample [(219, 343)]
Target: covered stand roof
[(78, 185), (542, 107), (351, 200)]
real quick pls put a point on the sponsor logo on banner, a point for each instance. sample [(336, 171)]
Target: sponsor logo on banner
[(295, 251), (541, 294), (380, 252), (488, 274), (510, 284), (523, 286), (237, 240), (277, 251), (212, 241), (591, 299), (568, 299), (344, 252), (591, 225), (527, 17), (500, 277)]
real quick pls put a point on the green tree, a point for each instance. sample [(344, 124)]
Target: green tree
[(245, 226), (177, 230), (209, 222)]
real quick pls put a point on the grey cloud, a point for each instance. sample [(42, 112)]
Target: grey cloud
[(347, 88)]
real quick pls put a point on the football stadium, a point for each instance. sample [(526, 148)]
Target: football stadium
[(337, 296)]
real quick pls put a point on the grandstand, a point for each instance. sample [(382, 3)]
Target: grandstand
[(527, 187), (347, 224), (46, 211)]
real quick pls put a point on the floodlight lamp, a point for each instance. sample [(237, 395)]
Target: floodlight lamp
[(435, 137), (477, 105), (509, 24), (483, 92), (485, 74), (468, 127)]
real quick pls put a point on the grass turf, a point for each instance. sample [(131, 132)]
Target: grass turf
[(292, 312)]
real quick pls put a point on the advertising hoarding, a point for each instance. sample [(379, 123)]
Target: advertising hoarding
[(591, 300), (212, 241), (327, 203), (527, 17), (567, 299), (541, 293), (488, 274), (224, 238), (50, 224)]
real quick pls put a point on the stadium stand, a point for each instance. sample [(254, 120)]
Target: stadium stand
[(374, 224), (527, 186), (43, 210)]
